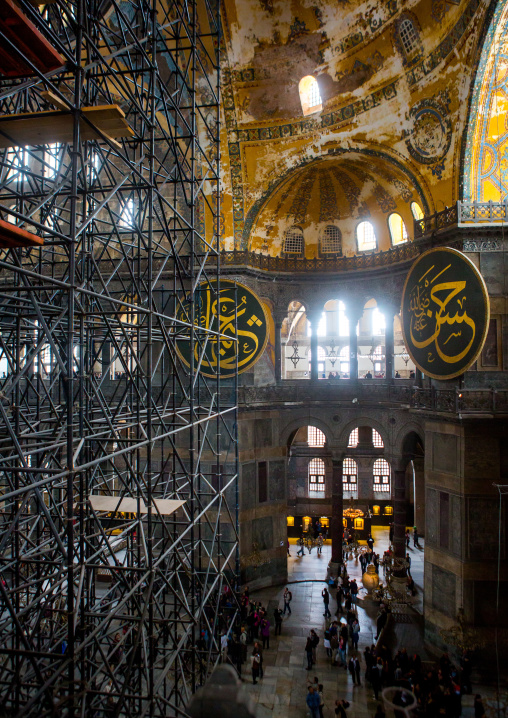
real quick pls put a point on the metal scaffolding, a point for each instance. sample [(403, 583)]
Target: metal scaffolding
[(113, 609)]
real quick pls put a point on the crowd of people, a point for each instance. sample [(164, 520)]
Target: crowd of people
[(438, 688)]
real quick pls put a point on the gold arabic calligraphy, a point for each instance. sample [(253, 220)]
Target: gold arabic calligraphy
[(430, 312), (235, 313)]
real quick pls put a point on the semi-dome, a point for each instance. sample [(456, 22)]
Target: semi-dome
[(332, 202)]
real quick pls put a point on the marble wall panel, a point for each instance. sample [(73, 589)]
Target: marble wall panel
[(262, 433), (262, 532), (277, 480), (443, 591), (444, 453), (248, 486), (431, 516), (483, 528), (456, 524)]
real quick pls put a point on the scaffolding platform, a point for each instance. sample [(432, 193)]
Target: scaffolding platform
[(33, 47), (45, 128), (13, 236)]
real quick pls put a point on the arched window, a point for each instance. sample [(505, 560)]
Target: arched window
[(398, 231), (376, 439), (316, 475), (378, 322), (331, 240), (315, 437), (127, 215), (310, 97), (293, 241), (416, 210), (365, 237), (349, 475), (408, 35), (381, 475), (343, 320), (353, 439), (16, 159), (51, 160)]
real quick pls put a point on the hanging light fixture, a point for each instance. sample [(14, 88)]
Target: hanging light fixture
[(295, 357), (332, 354)]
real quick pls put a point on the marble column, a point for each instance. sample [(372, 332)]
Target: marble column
[(399, 512), (353, 315), (418, 378), (278, 349), (389, 313), (336, 526), (419, 494), (314, 316)]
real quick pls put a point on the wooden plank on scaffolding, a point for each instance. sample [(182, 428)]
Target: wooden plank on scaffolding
[(115, 504), (13, 236), (31, 43), (45, 128)]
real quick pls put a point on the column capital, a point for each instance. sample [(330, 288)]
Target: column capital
[(354, 313), (388, 308), (314, 312)]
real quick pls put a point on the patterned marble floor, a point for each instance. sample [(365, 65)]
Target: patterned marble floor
[(282, 691)]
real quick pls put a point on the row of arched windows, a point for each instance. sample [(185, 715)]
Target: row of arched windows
[(330, 241), (380, 475), (316, 438)]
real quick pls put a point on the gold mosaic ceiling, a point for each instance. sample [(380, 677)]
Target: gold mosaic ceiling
[(378, 100), (334, 191)]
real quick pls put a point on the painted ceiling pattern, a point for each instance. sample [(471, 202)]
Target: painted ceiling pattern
[(330, 190), (486, 154), (245, 129)]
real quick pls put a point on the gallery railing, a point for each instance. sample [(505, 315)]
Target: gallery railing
[(402, 392), (369, 260), (462, 214)]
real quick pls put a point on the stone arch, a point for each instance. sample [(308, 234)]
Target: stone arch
[(364, 421), (288, 431), (406, 443)]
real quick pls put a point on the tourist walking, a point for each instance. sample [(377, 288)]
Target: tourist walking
[(308, 651), (315, 641), (415, 538), (351, 669), (340, 708), (265, 632), (355, 633), (278, 621), (326, 601), (319, 542), (301, 544), (313, 702), (288, 596), (255, 660), (357, 670), (321, 701), (259, 651)]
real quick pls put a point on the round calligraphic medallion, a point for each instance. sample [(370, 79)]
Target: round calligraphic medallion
[(431, 133), (445, 313), (237, 313)]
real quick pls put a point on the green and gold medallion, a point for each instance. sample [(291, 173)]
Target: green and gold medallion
[(238, 314), (445, 313)]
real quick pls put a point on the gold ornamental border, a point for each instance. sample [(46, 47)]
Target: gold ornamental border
[(232, 285), (486, 316)]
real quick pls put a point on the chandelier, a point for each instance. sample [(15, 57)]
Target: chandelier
[(295, 357), (332, 354)]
